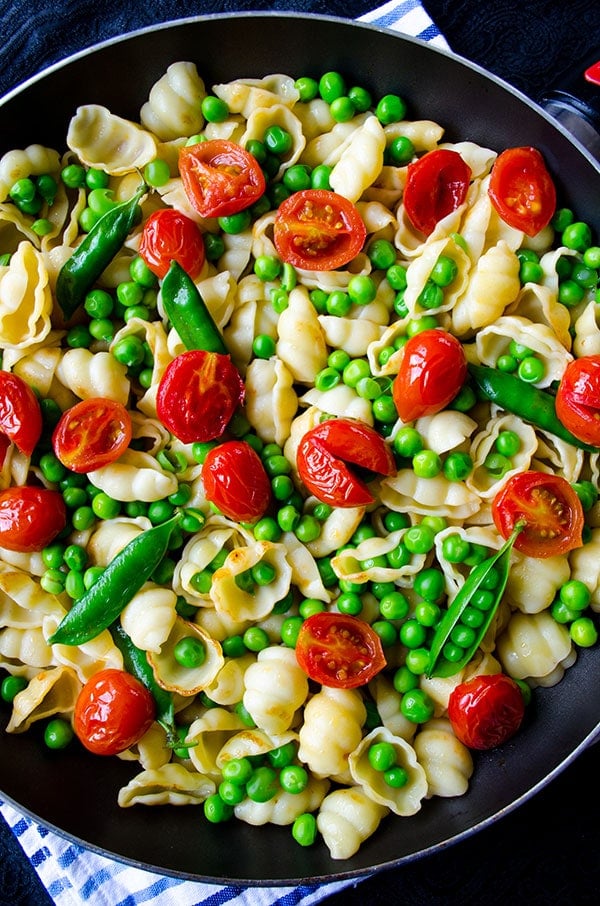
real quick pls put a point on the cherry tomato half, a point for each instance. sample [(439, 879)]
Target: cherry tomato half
[(318, 230), (20, 413), (486, 711), (198, 394), (432, 370), (436, 185), (521, 190), (112, 712), (577, 400), (30, 517), (91, 434), (339, 650), (236, 482), (169, 235), (324, 451), (220, 178), (550, 508)]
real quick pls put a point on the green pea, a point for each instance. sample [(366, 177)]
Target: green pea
[(293, 779), (562, 218), (332, 85), (157, 173), (507, 364), (267, 267), (400, 151), (310, 606), (289, 631), (338, 359), (396, 777), (74, 584), (404, 680), (349, 602), (23, 190), (52, 468), (355, 370), (101, 200), (455, 549), (361, 289), (58, 733), (338, 303), (319, 178), (577, 236), (263, 785), (427, 613), (278, 140), (11, 686), (83, 518), (342, 109), (304, 829), (386, 631), (390, 109), (255, 638), (417, 660), (98, 303), (457, 466), (53, 581), (591, 257), (308, 529), (129, 351), (382, 254), (235, 223), (394, 606), (431, 296), (42, 226), (75, 556), (407, 442), (508, 443), (412, 634), (444, 271), (418, 325), (417, 706), (426, 464), (159, 511), (96, 179), (393, 521), (419, 539), (105, 507), (575, 594), (398, 557), (215, 810), (361, 98), (382, 756), (583, 632), (283, 755), (79, 337), (214, 109), (73, 176), (102, 329), (531, 369), (263, 346)]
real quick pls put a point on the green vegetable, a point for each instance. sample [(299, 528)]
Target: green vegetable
[(188, 313)]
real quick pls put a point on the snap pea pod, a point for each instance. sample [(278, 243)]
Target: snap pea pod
[(528, 402), (484, 585), (79, 272), (121, 580), (187, 311)]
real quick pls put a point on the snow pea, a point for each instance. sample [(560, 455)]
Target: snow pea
[(187, 311)]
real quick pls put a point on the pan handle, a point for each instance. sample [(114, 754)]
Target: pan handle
[(575, 103)]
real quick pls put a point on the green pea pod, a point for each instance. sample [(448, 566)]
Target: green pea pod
[(439, 665), (79, 273), (121, 580), (187, 311), (528, 402)]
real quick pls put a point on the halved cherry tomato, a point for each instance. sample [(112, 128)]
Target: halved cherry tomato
[(30, 517), (198, 394), (432, 370), (521, 189), (324, 451), (550, 508), (112, 712), (236, 482), (20, 413), (169, 235), (220, 178), (486, 711), (91, 434), (318, 230), (436, 185), (339, 650), (577, 400)]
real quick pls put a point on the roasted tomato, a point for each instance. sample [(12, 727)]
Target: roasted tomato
[(112, 712), (485, 711), (220, 178), (578, 399), (521, 190), (432, 370), (30, 517), (198, 394), (169, 235), (20, 413), (318, 230), (235, 481), (549, 507), (92, 434), (339, 650), (324, 451), (436, 185)]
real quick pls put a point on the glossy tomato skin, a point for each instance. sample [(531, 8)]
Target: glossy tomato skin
[(91, 434), (30, 517), (486, 711), (577, 400), (112, 712), (522, 190), (198, 394), (436, 185), (339, 650), (316, 229), (550, 508), (322, 457), (236, 482), (220, 178), (169, 235), (432, 370), (20, 412)]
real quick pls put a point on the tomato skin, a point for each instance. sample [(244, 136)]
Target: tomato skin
[(220, 178), (550, 507), (339, 650), (30, 517), (316, 229), (20, 412), (198, 394), (436, 185), (577, 400), (91, 434), (522, 190), (486, 711), (112, 712), (169, 235), (432, 370), (236, 482), (321, 461)]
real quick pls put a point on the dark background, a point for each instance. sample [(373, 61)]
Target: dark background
[(546, 851)]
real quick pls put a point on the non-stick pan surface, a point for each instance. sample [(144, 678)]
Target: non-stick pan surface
[(76, 793)]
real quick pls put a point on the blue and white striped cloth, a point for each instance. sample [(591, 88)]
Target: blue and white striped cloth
[(74, 875)]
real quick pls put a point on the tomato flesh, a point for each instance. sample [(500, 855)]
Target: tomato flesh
[(578, 399), (169, 235), (486, 711), (339, 650), (20, 413), (91, 434), (432, 370), (522, 190), (220, 178), (236, 482), (549, 507), (30, 517), (112, 712), (436, 185)]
